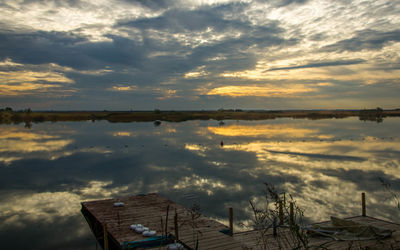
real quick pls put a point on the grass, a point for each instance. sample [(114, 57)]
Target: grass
[(286, 219)]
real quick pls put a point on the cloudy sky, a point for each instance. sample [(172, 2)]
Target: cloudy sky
[(181, 55)]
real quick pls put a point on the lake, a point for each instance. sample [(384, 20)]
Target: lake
[(48, 169)]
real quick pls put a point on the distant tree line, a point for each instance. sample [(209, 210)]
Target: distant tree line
[(8, 109), (371, 115)]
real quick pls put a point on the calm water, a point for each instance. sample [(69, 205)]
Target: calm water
[(46, 171)]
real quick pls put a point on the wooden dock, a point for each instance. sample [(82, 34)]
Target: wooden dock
[(111, 227), (151, 211)]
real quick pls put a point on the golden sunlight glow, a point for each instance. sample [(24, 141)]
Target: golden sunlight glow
[(265, 130), (195, 147), (25, 88), (265, 91), (195, 74), (13, 140), (198, 149), (33, 146), (122, 133), (9, 62), (166, 93), (25, 76), (124, 88), (25, 82), (14, 133)]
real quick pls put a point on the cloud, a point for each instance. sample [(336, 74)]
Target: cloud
[(321, 64), (365, 40), (123, 88), (19, 80), (200, 19), (260, 91), (171, 49), (283, 3), (153, 5), (42, 47)]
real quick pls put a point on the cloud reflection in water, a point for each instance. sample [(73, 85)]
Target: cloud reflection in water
[(324, 164)]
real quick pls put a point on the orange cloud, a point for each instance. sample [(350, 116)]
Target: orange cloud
[(261, 91), (25, 76), (25, 82), (27, 88), (123, 88)]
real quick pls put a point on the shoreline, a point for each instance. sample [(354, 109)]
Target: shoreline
[(9, 117)]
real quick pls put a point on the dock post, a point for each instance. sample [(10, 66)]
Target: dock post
[(363, 204), (166, 221), (105, 236), (231, 221), (281, 222), (291, 214), (176, 225)]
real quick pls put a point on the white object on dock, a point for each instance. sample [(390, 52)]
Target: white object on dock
[(119, 204), (175, 246), (149, 233)]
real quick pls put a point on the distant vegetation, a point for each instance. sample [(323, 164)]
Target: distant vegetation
[(27, 116)]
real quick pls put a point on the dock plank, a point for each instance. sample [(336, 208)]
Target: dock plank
[(148, 211)]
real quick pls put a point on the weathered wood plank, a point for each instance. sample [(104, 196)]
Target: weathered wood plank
[(148, 211)]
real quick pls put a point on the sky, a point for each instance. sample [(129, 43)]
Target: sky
[(201, 54)]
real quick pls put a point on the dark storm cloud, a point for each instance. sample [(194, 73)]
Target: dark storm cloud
[(287, 2), (41, 47), (152, 4), (67, 49), (221, 19), (181, 20), (78, 52), (321, 64), (237, 53), (282, 3), (365, 39)]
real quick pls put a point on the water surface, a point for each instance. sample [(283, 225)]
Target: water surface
[(47, 170)]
